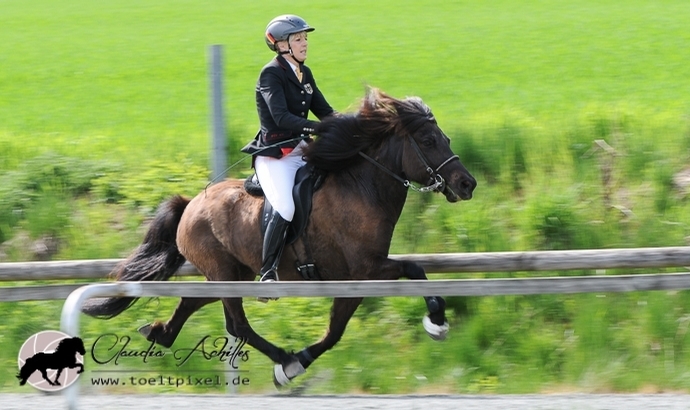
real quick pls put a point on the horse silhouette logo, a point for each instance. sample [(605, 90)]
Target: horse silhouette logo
[(48, 355)]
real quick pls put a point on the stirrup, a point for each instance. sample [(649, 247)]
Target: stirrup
[(270, 276)]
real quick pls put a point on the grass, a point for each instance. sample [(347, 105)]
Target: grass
[(104, 112), (128, 79)]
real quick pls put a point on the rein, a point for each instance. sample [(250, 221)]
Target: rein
[(436, 186), (438, 181), (221, 175)]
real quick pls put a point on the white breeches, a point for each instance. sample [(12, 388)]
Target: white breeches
[(277, 177)]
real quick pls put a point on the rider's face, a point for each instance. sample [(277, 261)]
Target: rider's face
[(299, 43)]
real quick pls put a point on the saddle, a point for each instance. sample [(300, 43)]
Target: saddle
[(308, 180)]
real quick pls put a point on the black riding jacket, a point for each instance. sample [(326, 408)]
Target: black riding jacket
[(283, 104)]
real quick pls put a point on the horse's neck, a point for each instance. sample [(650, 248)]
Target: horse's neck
[(64, 347), (376, 188)]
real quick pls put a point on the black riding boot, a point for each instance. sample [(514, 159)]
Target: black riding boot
[(274, 241)]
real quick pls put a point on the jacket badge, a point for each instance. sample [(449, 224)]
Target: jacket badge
[(308, 89)]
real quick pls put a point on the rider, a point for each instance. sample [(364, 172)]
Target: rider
[(285, 93)]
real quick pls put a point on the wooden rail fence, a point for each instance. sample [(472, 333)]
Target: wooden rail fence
[(489, 262)]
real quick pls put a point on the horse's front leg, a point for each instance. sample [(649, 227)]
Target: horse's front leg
[(238, 326), (435, 322), (341, 312)]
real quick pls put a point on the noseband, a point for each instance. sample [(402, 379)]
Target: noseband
[(437, 182)]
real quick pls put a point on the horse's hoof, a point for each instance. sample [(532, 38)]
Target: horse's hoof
[(263, 299), (435, 331), (145, 330), (282, 375)]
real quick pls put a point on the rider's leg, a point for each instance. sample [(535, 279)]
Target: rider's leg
[(277, 178), (274, 242)]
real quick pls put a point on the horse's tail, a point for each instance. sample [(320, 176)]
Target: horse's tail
[(26, 371), (157, 258)]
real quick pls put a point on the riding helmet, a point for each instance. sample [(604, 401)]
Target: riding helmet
[(280, 28)]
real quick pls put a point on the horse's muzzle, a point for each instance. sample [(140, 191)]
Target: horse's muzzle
[(463, 191)]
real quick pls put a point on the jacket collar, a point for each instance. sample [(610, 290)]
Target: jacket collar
[(285, 65)]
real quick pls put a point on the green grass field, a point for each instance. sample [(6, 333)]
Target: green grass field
[(104, 113), (128, 79)]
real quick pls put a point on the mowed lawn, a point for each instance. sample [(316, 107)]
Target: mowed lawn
[(128, 79)]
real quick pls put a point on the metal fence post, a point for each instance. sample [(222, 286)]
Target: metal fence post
[(219, 144)]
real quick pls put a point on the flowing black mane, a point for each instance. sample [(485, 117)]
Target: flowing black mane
[(340, 138), (69, 344)]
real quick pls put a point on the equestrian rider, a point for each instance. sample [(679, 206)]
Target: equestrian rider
[(285, 93)]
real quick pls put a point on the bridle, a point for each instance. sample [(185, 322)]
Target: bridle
[(437, 184)]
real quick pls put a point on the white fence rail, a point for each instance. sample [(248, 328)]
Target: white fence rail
[(451, 287)]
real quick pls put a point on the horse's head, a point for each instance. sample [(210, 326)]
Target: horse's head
[(427, 157), (71, 344)]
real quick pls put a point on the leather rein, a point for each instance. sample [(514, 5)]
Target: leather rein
[(437, 182)]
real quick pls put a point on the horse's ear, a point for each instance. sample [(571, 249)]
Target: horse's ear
[(377, 101), (371, 98)]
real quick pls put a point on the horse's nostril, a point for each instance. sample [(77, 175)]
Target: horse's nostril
[(472, 184), (468, 185)]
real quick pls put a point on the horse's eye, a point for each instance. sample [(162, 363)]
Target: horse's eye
[(428, 142)]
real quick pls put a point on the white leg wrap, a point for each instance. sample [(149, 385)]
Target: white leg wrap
[(436, 332), (280, 376), (294, 369), (284, 375)]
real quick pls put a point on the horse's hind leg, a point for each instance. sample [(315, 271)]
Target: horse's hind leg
[(57, 377), (45, 377), (165, 333), (341, 312)]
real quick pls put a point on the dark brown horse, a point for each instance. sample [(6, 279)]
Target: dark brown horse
[(371, 157)]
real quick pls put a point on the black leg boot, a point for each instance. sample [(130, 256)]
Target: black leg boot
[(274, 241)]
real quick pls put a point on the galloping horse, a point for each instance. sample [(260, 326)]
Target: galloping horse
[(371, 158)]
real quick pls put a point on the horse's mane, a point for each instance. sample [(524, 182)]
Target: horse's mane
[(340, 138), (67, 343)]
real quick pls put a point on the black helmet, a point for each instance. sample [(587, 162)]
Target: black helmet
[(280, 28)]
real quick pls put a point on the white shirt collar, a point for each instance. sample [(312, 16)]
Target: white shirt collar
[(294, 67)]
